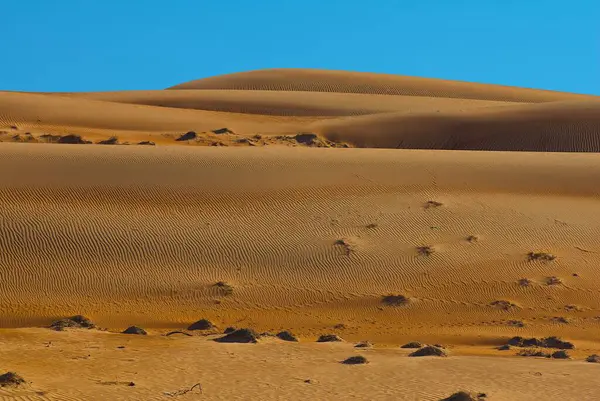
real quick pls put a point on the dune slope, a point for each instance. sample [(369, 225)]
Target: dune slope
[(306, 238)]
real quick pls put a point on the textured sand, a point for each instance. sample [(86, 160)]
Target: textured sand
[(310, 240)]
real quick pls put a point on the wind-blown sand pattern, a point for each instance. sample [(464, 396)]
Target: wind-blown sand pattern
[(474, 247)]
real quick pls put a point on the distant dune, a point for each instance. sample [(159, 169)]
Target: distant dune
[(354, 109)]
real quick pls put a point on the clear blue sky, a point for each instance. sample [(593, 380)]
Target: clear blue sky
[(85, 45)]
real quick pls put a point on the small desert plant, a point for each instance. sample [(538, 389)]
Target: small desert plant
[(540, 256), (363, 344), (287, 336), (466, 396), (525, 282), (432, 203), (239, 336), (202, 324), (395, 300), (328, 338), (553, 280), (562, 354), (134, 330), (593, 358), (472, 238), (425, 250), (429, 350), (533, 352), (11, 379), (223, 287), (412, 344), (504, 305), (355, 360)]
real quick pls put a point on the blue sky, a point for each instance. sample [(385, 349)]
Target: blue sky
[(93, 45)]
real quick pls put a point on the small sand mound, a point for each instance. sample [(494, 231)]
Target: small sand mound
[(540, 256), (355, 360), (72, 139), (77, 321), (412, 344), (429, 350), (329, 338), (239, 336), (134, 330), (10, 379), (202, 324), (595, 358), (466, 396), (287, 336), (395, 300), (363, 344), (188, 136)]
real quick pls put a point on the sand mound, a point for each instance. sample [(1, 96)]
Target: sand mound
[(370, 83)]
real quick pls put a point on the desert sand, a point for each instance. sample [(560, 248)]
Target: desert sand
[(375, 207)]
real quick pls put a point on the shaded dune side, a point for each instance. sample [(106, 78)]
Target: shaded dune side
[(549, 127), (286, 103), (370, 83), (133, 234)]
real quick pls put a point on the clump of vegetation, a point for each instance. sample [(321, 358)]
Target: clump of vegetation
[(239, 336), (516, 323), (395, 300), (11, 379), (504, 305), (412, 344), (525, 282), (431, 203), (188, 136), (150, 143), (355, 360), (533, 352), (77, 321), (348, 247), (553, 280), (594, 358), (430, 350), (560, 319), (547, 342), (134, 330), (562, 354), (540, 256), (328, 338), (113, 140), (287, 336), (466, 396), (363, 344), (224, 288), (372, 225), (202, 324), (425, 250), (472, 238)]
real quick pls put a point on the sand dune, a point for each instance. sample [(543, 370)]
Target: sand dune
[(288, 103), (547, 127), (369, 83), (171, 222), (464, 249)]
